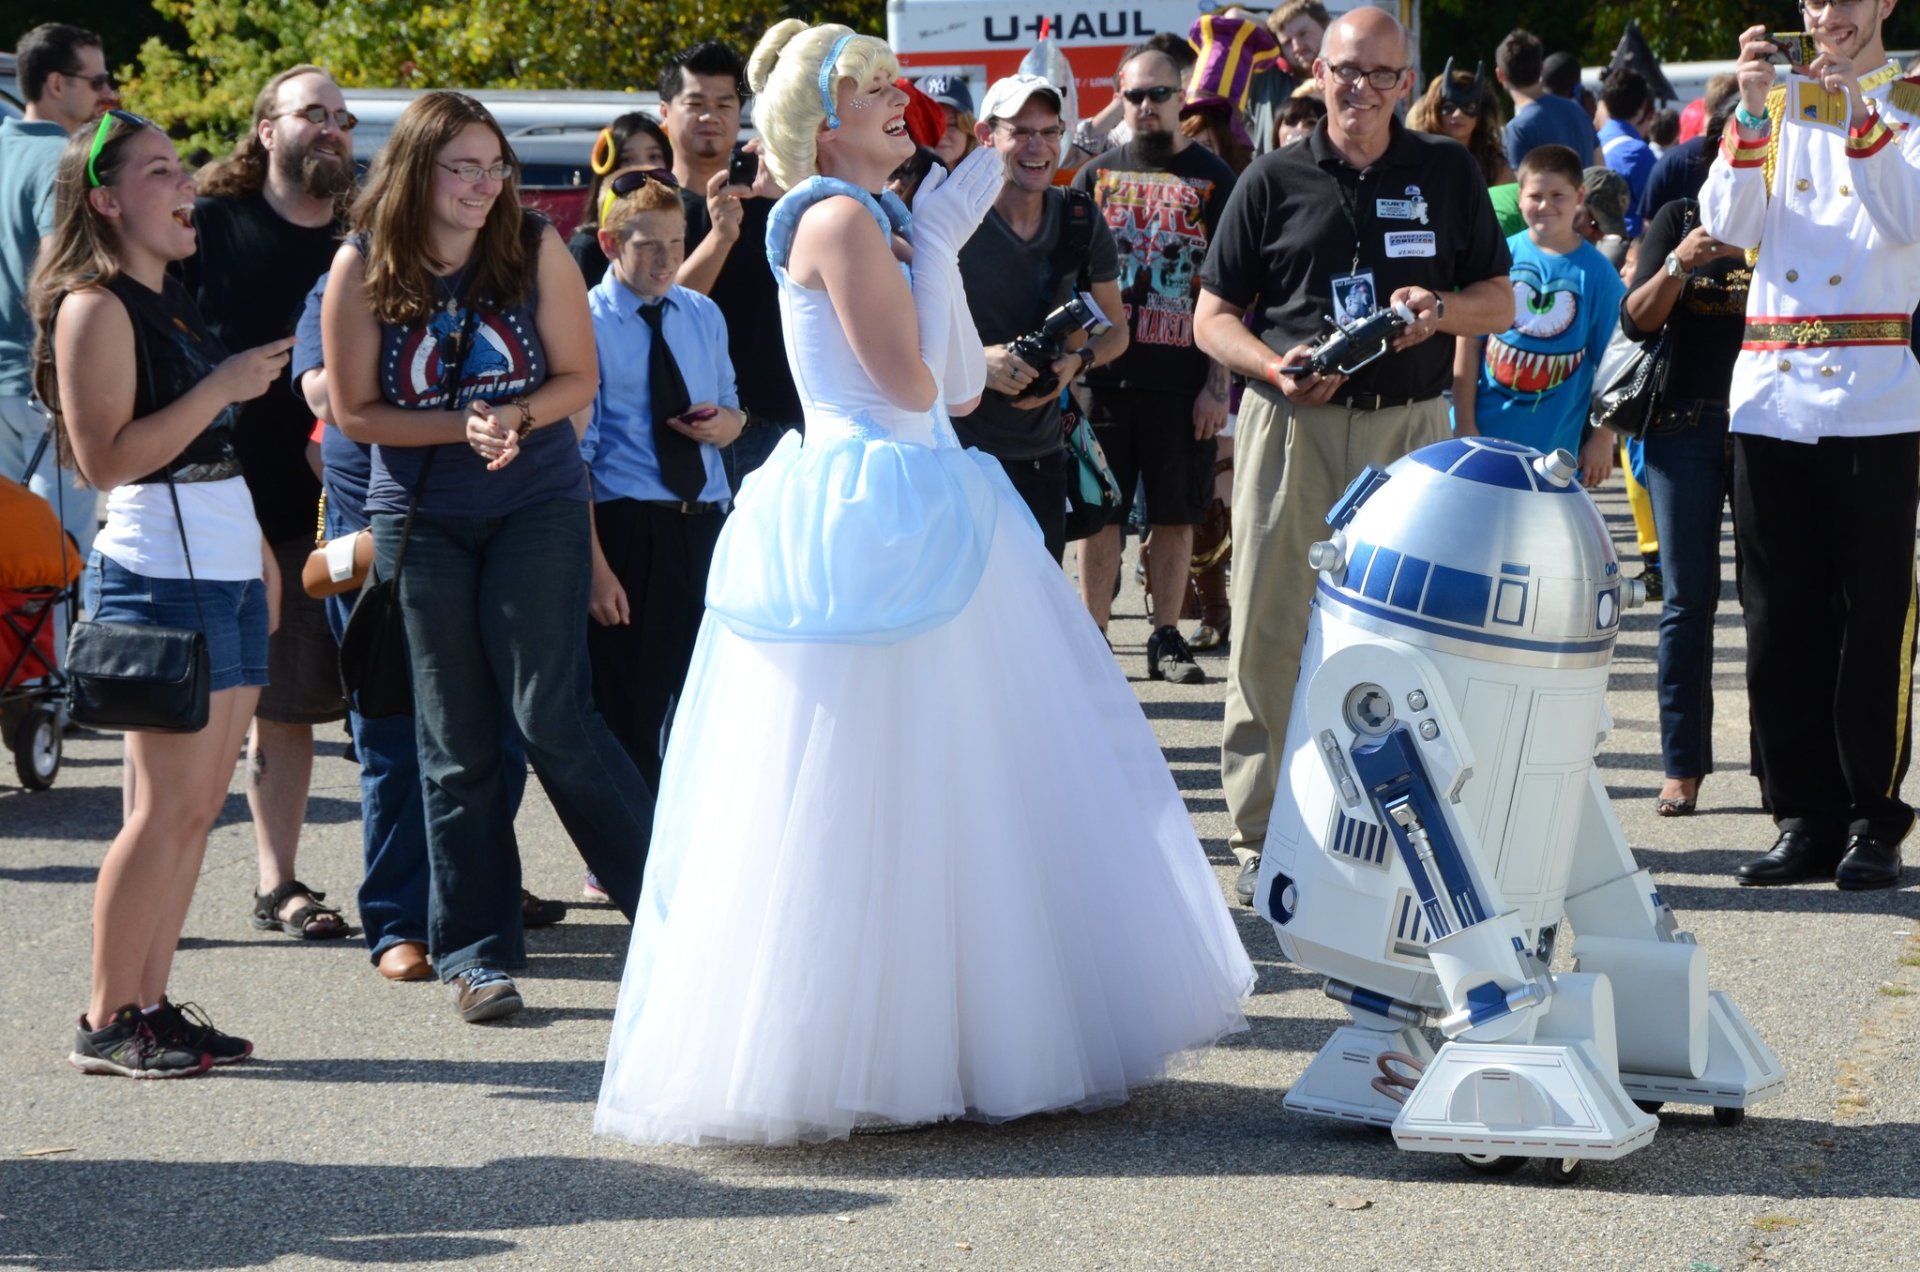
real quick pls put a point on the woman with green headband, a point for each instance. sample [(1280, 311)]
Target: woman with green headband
[(143, 399)]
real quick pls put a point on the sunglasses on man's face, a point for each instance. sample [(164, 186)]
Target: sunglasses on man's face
[(1157, 94), (100, 138), (344, 120), (1470, 109), (104, 82)]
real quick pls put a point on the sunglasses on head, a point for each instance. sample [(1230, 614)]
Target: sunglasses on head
[(627, 182), (1470, 109), (100, 139), (1157, 94)]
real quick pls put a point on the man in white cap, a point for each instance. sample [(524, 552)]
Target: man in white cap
[(1038, 244)]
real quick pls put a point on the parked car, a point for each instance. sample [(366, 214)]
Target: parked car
[(11, 103), (551, 131)]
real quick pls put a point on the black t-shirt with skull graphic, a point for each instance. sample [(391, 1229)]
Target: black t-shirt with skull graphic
[(1161, 219), (1301, 220)]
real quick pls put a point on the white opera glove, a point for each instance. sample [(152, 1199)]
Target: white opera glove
[(950, 206)]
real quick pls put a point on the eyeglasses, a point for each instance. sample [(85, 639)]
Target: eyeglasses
[(100, 139), (1449, 107), (1380, 77), (1157, 94), (344, 120), (1021, 136), (472, 172), (1817, 6), (104, 82)]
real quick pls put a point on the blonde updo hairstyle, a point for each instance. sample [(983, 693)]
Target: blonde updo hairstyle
[(784, 74)]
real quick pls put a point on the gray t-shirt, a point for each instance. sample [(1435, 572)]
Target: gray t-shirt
[(29, 155), (1011, 290)]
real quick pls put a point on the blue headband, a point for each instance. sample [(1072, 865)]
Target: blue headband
[(826, 80)]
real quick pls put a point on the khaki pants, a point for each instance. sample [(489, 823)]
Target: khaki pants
[(1290, 464)]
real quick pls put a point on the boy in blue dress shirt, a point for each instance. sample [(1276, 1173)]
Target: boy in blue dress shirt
[(666, 407)]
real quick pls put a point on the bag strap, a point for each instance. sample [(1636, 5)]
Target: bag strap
[(179, 519), (453, 371)]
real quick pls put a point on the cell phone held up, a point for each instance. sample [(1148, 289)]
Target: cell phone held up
[(1792, 48), (743, 169)]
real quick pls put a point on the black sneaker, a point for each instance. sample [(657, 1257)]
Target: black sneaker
[(128, 1047), (185, 1026), (1169, 658), (1653, 580)]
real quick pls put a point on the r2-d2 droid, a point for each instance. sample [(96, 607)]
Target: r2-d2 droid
[(1439, 825)]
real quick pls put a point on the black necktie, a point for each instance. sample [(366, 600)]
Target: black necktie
[(681, 466)]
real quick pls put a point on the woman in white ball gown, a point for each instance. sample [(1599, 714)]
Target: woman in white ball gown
[(916, 854)]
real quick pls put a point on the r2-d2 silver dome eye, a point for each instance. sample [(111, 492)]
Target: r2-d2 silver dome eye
[(1370, 711)]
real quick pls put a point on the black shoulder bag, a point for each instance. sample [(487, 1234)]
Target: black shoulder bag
[(1631, 381), (141, 677), (375, 673)]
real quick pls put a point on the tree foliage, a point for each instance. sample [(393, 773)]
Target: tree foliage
[(201, 84)]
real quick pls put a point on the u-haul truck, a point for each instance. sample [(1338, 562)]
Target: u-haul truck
[(982, 40)]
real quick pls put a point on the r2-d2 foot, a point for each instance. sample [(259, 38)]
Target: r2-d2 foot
[(1438, 818)]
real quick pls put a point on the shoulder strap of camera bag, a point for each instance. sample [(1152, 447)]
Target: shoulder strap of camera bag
[(453, 366), (1072, 248)]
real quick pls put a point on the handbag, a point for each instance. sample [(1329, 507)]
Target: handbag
[(140, 677), (375, 669), (337, 565), (1093, 493), (1632, 376)]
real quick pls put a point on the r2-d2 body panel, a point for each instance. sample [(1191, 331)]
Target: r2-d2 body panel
[(1502, 584), (1439, 823)]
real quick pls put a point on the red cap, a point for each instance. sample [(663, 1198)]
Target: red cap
[(926, 122)]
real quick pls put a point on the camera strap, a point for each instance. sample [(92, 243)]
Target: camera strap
[(1072, 247)]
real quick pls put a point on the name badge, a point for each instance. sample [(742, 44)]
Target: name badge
[(1399, 210), (1410, 243)]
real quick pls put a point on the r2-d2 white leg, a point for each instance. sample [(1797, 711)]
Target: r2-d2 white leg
[(1682, 1043)]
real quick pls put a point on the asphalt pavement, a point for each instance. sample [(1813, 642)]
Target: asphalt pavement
[(373, 1127)]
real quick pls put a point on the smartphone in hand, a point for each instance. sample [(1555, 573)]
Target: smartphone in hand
[(743, 169), (700, 416)]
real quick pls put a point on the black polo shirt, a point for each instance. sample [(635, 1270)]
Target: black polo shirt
[(1419, 216)]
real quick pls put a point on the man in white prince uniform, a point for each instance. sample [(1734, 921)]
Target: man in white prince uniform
[(1821, 175)]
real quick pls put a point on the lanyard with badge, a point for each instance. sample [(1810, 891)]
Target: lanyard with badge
[(1354, 294)]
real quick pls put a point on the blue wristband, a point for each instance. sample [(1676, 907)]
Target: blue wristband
[(1749, 121)]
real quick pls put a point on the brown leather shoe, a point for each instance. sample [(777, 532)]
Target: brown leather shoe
[(406, 961)]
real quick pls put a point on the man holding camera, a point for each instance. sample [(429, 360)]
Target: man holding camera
[(1158, 409), (1363, 200), (1820, 175), (1038, 247)]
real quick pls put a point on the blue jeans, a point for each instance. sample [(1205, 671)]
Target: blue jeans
[(1687, 475), (393, 826), (751, 448), (496, 614)]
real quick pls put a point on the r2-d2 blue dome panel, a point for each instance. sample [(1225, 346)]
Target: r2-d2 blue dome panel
[(1481, 542)]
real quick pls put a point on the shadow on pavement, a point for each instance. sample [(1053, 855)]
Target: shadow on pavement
[(176, 1214)]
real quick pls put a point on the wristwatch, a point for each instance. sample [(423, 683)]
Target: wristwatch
[(1674, 268), (1439, 308), (1086, 357)]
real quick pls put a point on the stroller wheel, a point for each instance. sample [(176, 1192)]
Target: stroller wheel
[(36, 748)]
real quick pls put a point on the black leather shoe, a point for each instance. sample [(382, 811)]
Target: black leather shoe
[(1249, 876), (1869, 863), (1796, 855)]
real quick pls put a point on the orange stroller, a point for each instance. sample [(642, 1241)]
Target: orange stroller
[(39, 563)]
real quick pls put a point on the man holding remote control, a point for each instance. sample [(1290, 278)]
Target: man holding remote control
[(1362, 213), (1818, 177)]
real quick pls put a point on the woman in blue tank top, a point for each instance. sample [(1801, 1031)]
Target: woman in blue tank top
[(459, 344)]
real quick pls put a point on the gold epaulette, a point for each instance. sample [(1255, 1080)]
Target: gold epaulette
[(1904, 96)]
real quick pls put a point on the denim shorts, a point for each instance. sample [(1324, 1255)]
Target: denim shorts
[(235, 614)]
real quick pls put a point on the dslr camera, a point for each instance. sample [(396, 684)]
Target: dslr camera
[(1040, 348)]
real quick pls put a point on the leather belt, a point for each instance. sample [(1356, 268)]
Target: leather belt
[(1369, 401), (212, 470), (688, 507), (1840, 329)]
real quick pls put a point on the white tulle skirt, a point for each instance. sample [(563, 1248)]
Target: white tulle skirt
[(947, 877)]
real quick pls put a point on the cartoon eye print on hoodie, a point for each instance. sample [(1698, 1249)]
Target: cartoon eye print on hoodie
[(1543, 311)]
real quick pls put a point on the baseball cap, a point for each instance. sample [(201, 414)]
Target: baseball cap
[(1607, 198), (1008, 96), (949, 90)]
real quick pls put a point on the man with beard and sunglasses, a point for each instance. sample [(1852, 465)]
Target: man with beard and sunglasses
[(1157, 407), (269, 219)]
